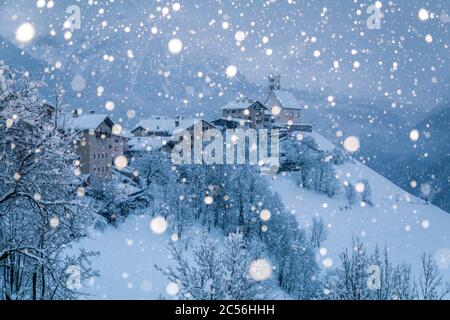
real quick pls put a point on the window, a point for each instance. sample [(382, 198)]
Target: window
[(94, 156), (117, 140)]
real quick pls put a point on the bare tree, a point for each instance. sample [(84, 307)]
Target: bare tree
[(431, 281), (366, 194), (350, 194), (427, 192), (319, 232), (404, 286)]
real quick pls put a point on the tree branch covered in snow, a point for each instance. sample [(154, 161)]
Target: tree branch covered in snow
[(41, 215), (364, 276)]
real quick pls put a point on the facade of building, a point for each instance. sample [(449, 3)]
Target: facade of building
[(119, 145), (249, 110), (95, 144)]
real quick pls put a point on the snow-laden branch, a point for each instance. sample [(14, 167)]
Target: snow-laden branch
[(22, 250)]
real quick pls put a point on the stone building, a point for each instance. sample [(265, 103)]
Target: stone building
[(248, 109), (96, 144)]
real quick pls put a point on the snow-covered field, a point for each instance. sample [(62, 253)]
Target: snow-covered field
[(128, 254), (405, 223)]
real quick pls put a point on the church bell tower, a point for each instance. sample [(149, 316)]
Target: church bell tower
[(274, 82)]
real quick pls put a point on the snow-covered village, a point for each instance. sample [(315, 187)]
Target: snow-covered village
[(221, 150)]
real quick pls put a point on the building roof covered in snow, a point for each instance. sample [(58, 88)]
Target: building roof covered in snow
[(238, 120), (240, 104), (286, 99), (157, 124), (90, 121), (186, 124), (166, 125), (146, 143)]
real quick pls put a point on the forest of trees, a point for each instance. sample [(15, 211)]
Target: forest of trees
[(240, 194), (314, 167), (365, 276)]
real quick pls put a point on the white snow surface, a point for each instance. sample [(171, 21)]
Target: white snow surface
[(128, 254), (238, 105), (405, 223), (87, 121), (286, 99)]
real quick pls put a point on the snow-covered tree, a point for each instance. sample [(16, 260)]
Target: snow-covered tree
[(374, 277), (199, 278), (319, 232), (427, 192), (313, 167), (111, 202), (350, 194), (352, 277), (236, 261), (366, 194), (404, 286), (40, 212)]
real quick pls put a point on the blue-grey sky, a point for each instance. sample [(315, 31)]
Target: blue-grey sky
[(314, 45)]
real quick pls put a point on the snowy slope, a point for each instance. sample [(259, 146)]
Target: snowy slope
[(128, 254), (408, 226), (405, 223)]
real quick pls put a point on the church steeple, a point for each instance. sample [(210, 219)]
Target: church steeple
[(274, 82)]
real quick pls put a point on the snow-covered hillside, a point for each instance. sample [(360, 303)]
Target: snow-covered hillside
[(405, 223)]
